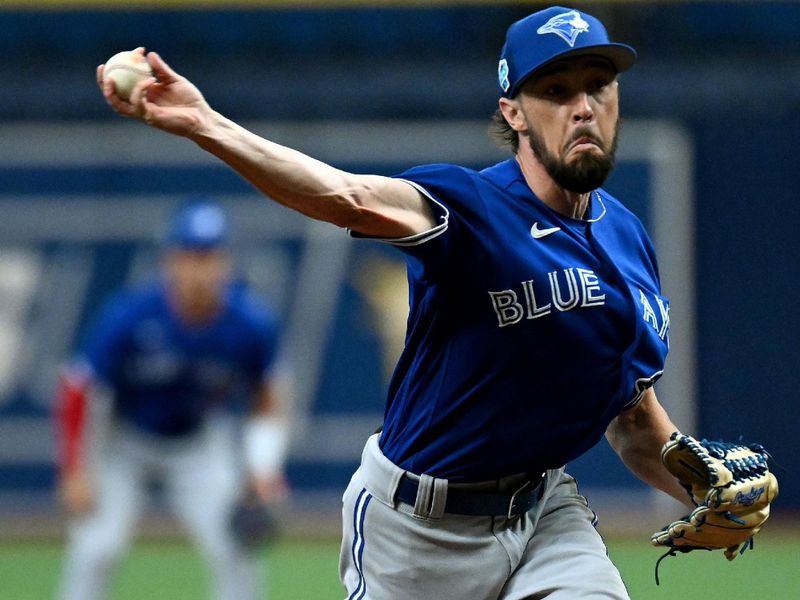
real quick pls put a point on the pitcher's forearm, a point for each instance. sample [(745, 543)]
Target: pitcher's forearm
[(367, 203), (637, 436)]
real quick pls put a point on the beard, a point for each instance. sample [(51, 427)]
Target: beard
[(587, 172)]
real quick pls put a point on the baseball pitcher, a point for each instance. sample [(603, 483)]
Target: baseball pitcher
[(537, 325)]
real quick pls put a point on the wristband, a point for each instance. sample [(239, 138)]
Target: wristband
[(265, 442)]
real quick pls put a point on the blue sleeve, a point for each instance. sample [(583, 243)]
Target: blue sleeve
[(454, 199), (103, 345)]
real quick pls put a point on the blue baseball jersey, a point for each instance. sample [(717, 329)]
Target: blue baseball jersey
[(528, 331), (166, 375)]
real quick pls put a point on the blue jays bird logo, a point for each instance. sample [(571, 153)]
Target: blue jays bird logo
[(567, 26)]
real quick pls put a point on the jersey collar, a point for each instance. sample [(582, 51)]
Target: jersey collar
[(509, 173)]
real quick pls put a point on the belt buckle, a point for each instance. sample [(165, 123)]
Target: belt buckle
[(531, 486), (512, 501)]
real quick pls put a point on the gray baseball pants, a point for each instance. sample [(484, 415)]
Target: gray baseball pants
[(394, 551), (200, 477)]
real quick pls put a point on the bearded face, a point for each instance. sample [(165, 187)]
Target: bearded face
[(578, 172)]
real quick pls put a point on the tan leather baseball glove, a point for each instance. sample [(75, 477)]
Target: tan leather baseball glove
[(732, 488)]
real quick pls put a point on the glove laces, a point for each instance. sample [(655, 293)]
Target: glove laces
[(749, 467), (748, 544)]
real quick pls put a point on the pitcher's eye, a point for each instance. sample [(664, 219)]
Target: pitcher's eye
[(554, 90), (600, 83)]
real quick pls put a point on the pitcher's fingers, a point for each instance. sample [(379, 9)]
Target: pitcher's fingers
[(162, 70), (149, 111), (99, 74), (139, 92), (109, 91), (121, 106)]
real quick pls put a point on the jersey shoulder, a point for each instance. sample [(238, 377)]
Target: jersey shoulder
[(113, 325), (501, 174), (457, 186), (441, 180), (628, 231), (623, 217), (250, 310), (128, 304), (619, 209)]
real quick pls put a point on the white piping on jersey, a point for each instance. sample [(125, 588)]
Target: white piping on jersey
[(602, 214), (417, 238), (424, 236), (540, 233), (641, 386)]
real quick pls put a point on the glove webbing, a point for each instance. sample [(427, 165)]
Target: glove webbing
[(698, 450), (749, 467), (749, 543)]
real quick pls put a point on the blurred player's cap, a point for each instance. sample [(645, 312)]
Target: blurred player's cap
[(198, 224), (551, 34)]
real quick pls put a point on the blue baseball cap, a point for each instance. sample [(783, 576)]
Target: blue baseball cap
[(198, 224), (551, 34)]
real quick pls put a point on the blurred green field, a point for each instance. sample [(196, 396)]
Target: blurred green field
[(307, 570)]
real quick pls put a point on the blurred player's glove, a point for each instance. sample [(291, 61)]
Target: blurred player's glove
[(253, 523), (732, 487)]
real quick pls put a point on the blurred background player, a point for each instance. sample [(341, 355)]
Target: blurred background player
[(153, 397)]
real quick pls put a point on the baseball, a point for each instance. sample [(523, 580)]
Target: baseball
[(126, 69)]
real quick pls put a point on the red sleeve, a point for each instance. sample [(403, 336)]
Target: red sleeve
[(71, 417)]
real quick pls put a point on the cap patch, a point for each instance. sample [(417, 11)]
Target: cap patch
[(567, 26), (502, 75)]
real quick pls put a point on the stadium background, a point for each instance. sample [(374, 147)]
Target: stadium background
[(712, 115)]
